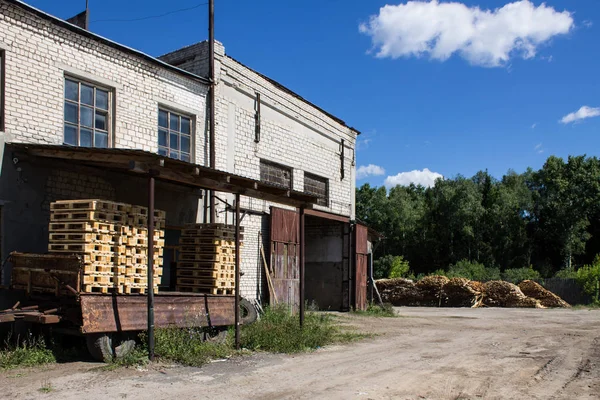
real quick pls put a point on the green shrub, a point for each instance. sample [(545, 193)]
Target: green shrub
[(474, 271), (588, 277), (567, 273), (391, 267), (279, 331), (25, 353), (517, 275)]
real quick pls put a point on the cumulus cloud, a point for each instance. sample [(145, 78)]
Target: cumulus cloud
[(583, 113), (423, 177), (365, 171), (483, 37)]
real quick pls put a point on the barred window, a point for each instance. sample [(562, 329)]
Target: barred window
[(275, 174), (174, 135), (317, 186), (87, 116)]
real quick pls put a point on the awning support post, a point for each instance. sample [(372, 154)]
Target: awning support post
[(150, 264), (237, 271), (302, 242)]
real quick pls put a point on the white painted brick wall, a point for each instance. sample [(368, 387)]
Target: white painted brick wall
[(40, 53)]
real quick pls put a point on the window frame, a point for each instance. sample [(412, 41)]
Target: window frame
[(2, 89), (277, 165), (180, 114), (109, 110), (316, 177)]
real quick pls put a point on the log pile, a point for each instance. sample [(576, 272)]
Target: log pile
[(459, 292), (545, 297), (506, 294), (439, 291)]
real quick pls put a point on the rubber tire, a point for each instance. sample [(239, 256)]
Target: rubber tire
[(100, 346), (248, 313)]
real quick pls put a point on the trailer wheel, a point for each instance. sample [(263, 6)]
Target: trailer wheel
[(100, 346), (248, 313)]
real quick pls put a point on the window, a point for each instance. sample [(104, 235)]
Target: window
[(317, 186), (2, 90), (174, 135), (86, 114), (275, 174)]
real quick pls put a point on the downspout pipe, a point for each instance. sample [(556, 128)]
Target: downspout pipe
[(211, 100)]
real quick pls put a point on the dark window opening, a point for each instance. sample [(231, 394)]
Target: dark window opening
[(317, 186), (275, 174)]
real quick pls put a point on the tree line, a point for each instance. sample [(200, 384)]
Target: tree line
[(548, 219)]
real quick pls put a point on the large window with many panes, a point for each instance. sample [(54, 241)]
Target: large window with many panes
[(317, 186), (87, 115), (174, 135), (275, 174)]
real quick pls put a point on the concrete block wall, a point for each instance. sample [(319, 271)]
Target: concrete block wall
[(39, 54)]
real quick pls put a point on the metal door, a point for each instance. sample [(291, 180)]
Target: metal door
[(285, 257), (362, 256)]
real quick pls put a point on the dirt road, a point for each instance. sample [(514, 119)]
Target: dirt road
[(426, 354)]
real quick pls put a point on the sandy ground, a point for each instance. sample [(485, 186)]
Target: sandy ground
[(425, 354)]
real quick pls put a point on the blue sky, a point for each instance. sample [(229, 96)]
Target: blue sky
[(451, 88)]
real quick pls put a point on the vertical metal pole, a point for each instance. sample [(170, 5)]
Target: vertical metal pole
[(302, 242), (150, 272), (371, 274), (237, 271), (87, 15), (211, 76)]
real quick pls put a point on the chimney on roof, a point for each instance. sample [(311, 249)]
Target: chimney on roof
[(82, 19)]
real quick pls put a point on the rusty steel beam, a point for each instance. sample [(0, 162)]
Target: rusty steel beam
[(150, 267), (302, 243)]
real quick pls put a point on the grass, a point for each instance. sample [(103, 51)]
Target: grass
[(46, 387), (373, 310), (593, 306), (25, 353), (278, 331)]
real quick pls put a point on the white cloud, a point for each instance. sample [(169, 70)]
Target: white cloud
[(483, 37), (363, 171), (583, 113), (419, 177), (533, 126), (587, 23), (538, 148)]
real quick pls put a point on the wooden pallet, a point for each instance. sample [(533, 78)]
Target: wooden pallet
[(136, 230), (202, 273), (205, 290), (205, 241), (98, 288), (141, 271), (143, 211), (225, 258), (103, 269), (80, 248), (213, 226), (78, 227), (207, 249), (89, 205), (143, 260), (210, 233), (87, 237), (206, 282), (138, 289), (216, 266), (110, 280), (105, 258), (85, 216)]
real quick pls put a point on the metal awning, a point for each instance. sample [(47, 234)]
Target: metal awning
[(143, 163)]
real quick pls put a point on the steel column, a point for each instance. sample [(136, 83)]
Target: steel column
[(237, 271), (211, 99), (302, 242), (150, 266)]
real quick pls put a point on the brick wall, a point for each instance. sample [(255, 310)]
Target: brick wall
[(38, 56)]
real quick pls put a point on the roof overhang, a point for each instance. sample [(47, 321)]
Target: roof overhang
[(143, 163)]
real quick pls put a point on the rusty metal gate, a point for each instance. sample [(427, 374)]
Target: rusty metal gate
[(285, 256), (362, 256)]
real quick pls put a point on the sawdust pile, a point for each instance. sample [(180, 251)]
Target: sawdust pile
[(439, 291), (506, 294), (458, 292), (545, 297)]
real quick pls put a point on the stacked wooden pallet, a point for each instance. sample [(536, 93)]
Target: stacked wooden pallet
[(207, 259), (112, 240)]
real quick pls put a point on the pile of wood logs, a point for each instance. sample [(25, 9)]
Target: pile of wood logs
[(439, 291)]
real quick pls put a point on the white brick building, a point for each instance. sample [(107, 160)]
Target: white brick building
[(64, 85)]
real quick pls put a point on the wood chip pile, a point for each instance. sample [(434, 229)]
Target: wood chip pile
[(460, 292), (545, 297), (506, 294)]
